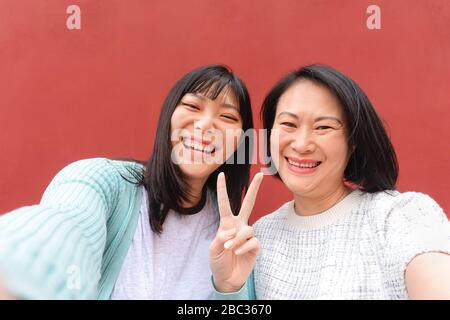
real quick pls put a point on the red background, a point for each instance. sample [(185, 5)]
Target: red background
[(72, 94)]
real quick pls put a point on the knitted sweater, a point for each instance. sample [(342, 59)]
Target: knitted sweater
[(358, 249), (73, 243)]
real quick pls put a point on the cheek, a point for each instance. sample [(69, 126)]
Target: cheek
[(231, 140), (342, 151), (278, 142), (179, 124), (337, 151), (175, 131), (177, 119)]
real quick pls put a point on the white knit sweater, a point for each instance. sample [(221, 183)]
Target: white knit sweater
[(358, 249)]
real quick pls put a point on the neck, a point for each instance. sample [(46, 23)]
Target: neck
[(195, 192), (306, 205)]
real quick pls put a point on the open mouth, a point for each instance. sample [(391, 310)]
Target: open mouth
[(303, 165), (197, 146)]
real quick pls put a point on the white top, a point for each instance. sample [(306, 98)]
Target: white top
[(173, 265), (358, 249)]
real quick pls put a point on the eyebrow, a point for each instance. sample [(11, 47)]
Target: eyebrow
[(286, 113), (290, 114), (225, 105), (328, 118)]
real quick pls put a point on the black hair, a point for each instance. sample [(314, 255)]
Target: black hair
[(163, 180), (372, 165)]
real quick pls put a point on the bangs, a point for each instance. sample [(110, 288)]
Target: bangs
[(212, 87)]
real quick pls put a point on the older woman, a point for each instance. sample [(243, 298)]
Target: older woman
[(347, 234)]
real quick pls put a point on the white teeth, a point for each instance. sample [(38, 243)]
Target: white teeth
[(198, 146), (303, 165), (209, 148)]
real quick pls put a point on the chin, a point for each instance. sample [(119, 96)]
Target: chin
[(298, 185), (196, 171)]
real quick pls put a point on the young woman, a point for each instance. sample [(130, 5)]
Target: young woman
[(122, 230), (347, 234)]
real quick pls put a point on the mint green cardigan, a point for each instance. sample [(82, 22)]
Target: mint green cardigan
[(73, 243)]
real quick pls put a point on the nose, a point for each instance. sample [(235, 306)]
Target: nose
[(303, 142), (204, 123)]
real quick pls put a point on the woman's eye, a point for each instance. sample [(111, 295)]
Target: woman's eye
[(190, 106), (288, 124), (229, 117), (323, 127)]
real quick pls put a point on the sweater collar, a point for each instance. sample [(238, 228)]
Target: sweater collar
[(327, 217)]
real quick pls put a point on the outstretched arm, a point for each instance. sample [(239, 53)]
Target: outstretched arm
[(428, 276), (54, 250)]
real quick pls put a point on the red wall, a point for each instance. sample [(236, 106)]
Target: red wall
[(72, 94)]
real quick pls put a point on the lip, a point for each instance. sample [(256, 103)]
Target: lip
[(205, 143), (299, 170), (197, 139)]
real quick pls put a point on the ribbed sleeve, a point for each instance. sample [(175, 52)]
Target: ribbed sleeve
[(54, 250), (247, 291)]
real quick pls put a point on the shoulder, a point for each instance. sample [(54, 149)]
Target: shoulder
[(396, 199), (391, 210), (101, 176), (389, 202), (273, 219), (101, 168)]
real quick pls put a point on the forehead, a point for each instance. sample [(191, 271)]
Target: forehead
[(308, 97), (226, 96)]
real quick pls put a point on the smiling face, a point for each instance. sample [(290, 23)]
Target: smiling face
[(308, 141), (205, 133)]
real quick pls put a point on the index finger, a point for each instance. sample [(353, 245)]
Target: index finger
[(250, 197), (222, 197)]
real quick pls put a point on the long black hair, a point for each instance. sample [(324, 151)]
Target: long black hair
[(373, 163), (163, 180)]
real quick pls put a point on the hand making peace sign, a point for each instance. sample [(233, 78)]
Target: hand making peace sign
[(233, 251)]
